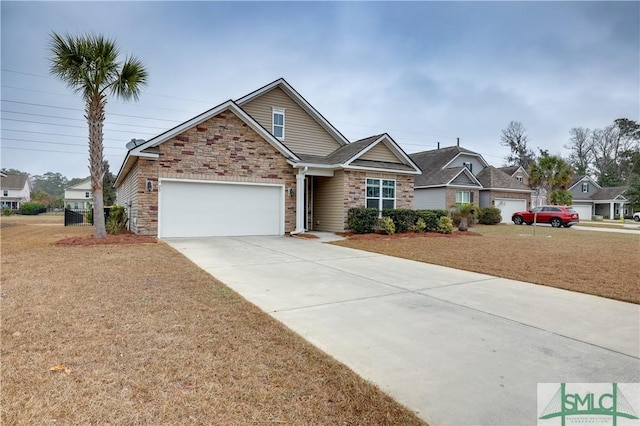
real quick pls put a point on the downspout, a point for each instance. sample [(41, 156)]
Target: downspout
[(300, 201)]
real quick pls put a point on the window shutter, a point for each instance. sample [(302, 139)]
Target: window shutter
[(471, 197)]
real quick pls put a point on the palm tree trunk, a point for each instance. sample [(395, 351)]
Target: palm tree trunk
[(95, 118), (464, 224)]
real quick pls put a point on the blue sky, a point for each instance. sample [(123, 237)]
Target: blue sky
[(425, 72)]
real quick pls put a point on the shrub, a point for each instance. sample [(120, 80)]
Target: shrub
[(490, 216), (403, 219), (444, 225), (90, 216), (32, 208), (117, 222), (431, 217), (7, 212), (362, 220), (420, 225), (386, 226)]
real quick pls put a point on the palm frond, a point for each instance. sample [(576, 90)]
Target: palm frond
[(130, 79)]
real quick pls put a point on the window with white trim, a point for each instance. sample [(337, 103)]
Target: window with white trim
[(519, 178), (585, 186), (278, 123), (381, 193), (87, 194), (468, 165), (464, 197), (5, 193)]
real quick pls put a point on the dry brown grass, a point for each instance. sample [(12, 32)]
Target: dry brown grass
[(600, 263), (140, 335)]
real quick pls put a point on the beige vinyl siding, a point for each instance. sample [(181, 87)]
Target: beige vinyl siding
[(302, 134), (328, 203), (380, 152), (127, 193)]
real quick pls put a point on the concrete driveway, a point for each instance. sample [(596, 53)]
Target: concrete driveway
[(458, 348)]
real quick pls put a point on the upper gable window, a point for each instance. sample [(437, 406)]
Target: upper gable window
[(585, 186), (468, 165), (278, 123), (87, 194), (519, 178), (5, 193)]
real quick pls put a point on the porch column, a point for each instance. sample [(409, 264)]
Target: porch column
[(300, 178), (612, 211)]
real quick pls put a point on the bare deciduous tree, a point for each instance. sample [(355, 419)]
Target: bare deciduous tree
[(581, 147), (515, 137)]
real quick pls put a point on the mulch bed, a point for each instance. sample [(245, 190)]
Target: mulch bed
[(90, 240), (408, 234)]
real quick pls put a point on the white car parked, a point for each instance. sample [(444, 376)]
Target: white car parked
[(636, 216)]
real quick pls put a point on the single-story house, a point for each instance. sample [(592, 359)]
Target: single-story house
[(14, 190), (267, 163), (591, 199), (455, 175), (79, 196)]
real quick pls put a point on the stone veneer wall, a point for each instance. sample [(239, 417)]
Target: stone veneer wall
[(222, 148), (355, 187)]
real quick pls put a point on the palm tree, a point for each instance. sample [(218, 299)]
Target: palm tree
[(89, 65), (550, 172), (465, 211)]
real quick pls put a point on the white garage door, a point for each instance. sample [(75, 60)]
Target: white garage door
[(509, 206), (584, 211), (205, 209)]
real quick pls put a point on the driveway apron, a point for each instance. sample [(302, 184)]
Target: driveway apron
[(456, 347)]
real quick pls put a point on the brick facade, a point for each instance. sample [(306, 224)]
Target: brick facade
[(223, 148), (355, 189), (450, 198)]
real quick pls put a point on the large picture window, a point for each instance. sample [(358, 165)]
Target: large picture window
[(381, 193)]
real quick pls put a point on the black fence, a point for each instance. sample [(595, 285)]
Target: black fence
[(80, 217)]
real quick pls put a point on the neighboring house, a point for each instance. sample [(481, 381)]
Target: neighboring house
[(14, 190), (591, 199), (538, 196), (265, 164), (455, 175), (79, 196)]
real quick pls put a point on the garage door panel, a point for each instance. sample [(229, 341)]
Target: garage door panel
[(509, 206), (191, 209)]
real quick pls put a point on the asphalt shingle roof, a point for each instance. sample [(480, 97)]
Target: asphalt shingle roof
[(432, 163), (609, 193), (13, 181), (491, 177)]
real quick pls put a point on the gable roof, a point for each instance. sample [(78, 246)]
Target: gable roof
[(493, 178), (348, 156), (146, 149), (298, 99), (579, 179), (434, 165), (13, 181), (81, 183), (610, 193), (511, 170)]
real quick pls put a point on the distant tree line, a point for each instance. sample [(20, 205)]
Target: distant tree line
[(611, 156), (48, 188)]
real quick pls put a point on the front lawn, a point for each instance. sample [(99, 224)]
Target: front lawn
[(135, 333), (599, 263)]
